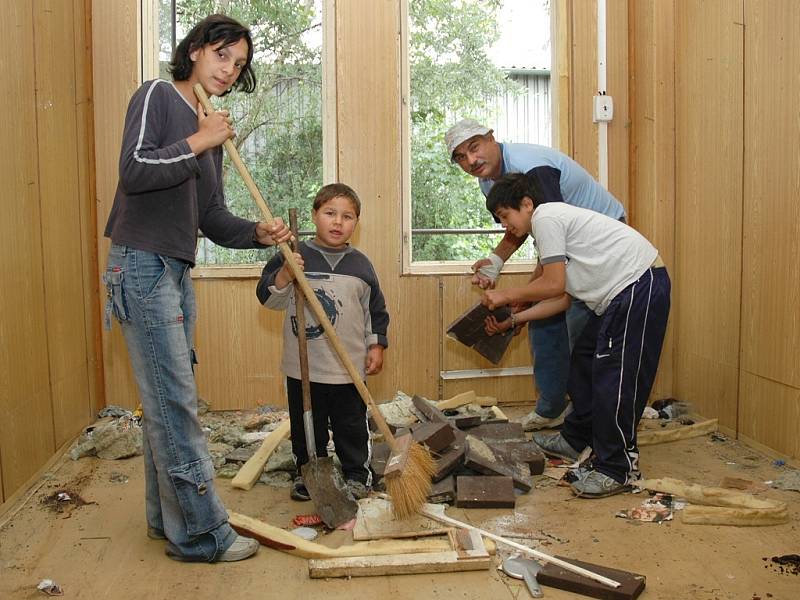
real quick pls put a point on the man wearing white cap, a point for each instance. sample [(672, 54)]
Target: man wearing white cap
[(472, 147)]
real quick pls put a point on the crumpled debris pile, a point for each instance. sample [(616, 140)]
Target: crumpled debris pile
[(116, 434)]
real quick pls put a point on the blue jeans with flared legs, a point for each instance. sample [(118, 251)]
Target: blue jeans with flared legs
[(152, 298)]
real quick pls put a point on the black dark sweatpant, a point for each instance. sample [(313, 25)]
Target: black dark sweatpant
[(613, 367), (342, 407)]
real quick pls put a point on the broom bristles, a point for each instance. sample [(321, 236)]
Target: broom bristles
[(410, 487)]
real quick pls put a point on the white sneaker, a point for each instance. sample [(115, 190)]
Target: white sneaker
[(241, 548), (533, 421)]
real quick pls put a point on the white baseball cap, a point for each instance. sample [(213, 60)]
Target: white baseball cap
[(461, 132)]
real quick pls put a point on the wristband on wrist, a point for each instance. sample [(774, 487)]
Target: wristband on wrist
[(513, 320)]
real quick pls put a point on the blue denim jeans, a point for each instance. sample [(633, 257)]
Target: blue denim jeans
[(551, 342), (152, 298)]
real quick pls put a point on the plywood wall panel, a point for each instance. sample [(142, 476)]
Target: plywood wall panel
[(412, 362), (771, 270), (26, 426), (651, 208), (770, 413), (239, 344), (84, 107), (708, 193), (61, 208), (114, 26)]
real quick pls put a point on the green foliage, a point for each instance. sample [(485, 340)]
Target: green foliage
[(279, 130)]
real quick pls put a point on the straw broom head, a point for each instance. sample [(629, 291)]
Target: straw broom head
[(408, 476)]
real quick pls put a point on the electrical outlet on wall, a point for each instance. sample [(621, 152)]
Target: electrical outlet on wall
[(603, 109)]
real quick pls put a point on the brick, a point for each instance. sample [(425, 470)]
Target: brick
[(499, 431), (632, 584), (485, 492), (479, 457), (444, 490), (436, 436)]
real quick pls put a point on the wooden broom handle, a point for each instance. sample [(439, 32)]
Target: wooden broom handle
[(300, 279)]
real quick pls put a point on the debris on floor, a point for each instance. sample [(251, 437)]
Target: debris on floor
[(50, 587), (788, 563), (789, 480), (656, 509), (63, 501), (116, 434)]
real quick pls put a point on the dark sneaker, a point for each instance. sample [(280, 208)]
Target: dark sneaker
[(595, 484), (556, 445), (241, 548), (154, 533), (357, 489), (299, 491)]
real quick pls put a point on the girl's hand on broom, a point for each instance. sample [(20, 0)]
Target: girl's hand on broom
[(212, 130), (272, 235)]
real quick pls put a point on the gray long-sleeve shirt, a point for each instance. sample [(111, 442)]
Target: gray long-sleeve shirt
[(166, 193)]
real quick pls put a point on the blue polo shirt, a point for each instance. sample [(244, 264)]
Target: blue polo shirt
[(560, 178)]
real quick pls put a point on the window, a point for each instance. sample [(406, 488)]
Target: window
[(482, 59), (279, 126)]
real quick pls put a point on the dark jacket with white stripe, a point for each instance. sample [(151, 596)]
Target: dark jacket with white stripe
[(165, 192)]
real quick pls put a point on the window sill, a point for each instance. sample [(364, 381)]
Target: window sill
[(462, 267), (227, 272)]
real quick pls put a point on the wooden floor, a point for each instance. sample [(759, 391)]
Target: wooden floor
[(100, 550)]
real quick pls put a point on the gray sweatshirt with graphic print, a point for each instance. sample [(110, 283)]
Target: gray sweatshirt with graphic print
[(346, 285), (166, 193)]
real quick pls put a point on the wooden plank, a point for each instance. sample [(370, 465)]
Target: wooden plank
[(282, 540), (462, 399), (485, 492), (375, 521), (398, 564), (247, 476), (656, 436)]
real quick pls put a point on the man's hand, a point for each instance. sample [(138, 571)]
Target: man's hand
[(495, 299), (374, 361), (272, 235), (486, 271)]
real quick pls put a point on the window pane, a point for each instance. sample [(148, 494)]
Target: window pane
[(482, 59), (279, 126)]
